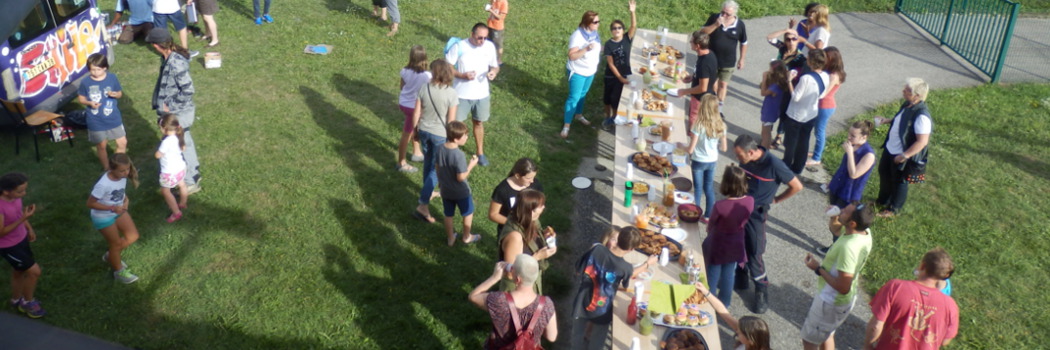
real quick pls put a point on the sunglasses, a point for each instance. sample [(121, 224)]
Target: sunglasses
[(617, 28), (793, 39), (596, 21)]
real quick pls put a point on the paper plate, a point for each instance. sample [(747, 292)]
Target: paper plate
[(663, 148), (677, 234), (683, 197), (581, 182)]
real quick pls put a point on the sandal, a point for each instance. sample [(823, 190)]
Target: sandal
[(424, 218), (582, 120), (886, 214), (455, 235), (407, 168), (777, 141), (417, 158), (174, 217)]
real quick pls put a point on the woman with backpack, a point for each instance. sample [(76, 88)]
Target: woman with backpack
[(520, 316)]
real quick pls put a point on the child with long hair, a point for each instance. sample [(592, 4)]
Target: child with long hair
[(752, 333), (172, 166), (15, 235), (413, 76), (776, 88), (109, 213), (847, 185), (521, 235), (826, 105), (100, 93), (724, 246), (707, 138)]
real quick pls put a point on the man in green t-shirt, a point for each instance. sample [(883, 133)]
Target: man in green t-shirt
[(838, 278)]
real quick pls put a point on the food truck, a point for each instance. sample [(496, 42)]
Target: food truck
[(45, 52)]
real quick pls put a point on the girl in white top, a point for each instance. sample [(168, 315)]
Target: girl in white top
[(413, 76), (109, 213), (707, 138), (585, 52), (819, 30), (172, 165)]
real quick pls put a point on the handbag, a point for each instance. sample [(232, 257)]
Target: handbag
[(914, 172)]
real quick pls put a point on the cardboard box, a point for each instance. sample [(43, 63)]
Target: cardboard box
[(212, 60)]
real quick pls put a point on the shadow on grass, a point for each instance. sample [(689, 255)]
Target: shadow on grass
[(240, 8)]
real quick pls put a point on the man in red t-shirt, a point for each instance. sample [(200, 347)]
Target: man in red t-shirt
[(915, 314)]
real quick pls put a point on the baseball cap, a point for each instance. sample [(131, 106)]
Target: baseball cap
[(158, 35)]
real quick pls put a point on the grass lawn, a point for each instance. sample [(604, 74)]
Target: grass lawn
[(988, 177), (302, 236)]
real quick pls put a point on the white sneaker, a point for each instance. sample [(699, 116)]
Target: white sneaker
[(125, 276), (105, 259)]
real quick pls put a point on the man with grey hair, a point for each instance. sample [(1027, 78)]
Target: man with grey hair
[(726, 31)]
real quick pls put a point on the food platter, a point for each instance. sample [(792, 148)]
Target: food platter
[(641, 188), (649, 167), (652, 243), (704, 318)]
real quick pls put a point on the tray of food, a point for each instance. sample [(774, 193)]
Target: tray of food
[(652, 164), (683, 339), (650, 95), (660, 216), (688, 315), (652, 243)]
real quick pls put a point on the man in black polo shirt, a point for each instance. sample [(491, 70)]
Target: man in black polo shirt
[(726, 32), (706, 74), (765, 174)]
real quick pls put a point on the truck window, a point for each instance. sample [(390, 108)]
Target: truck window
[(64, 9), (36, 23)]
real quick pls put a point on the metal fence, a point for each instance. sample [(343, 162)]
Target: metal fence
[(978, 30)]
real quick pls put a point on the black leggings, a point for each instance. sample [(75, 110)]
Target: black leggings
[(893, 191), (796, 143)]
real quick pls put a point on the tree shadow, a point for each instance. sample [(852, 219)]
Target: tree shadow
[(240, 8), (790, 234)]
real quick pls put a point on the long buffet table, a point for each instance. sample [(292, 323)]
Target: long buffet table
[(622, 215)]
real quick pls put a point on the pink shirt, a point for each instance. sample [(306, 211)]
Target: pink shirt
[(12, 211), (828, 102), (915, 316)]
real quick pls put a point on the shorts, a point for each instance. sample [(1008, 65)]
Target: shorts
[(101, 222), (408, 126), (207, 7), (97, 137), (613, 90), (724, 74), (466, 206), (131, 32), (19, 255), (479, 107), (160, 20), (168, 180), (496, 37), (823, 319)]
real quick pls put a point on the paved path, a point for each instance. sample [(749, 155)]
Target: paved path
[(880, 51)]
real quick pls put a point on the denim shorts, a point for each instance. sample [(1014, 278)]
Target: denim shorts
[(466, 206), (178, 19)]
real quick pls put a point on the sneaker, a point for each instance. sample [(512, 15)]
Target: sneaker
[(761, 301), (267, 18), (416, 158), (125, 276), (823, 250), (582, 120), (32, 309), (608, 124), (258, 21), (194, 53), (194, 188), (105, 259), (482, 160), (15, 303)]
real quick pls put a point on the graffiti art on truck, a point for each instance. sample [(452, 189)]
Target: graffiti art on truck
[(54, 60)]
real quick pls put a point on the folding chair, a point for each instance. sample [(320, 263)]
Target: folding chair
[(34, 122)]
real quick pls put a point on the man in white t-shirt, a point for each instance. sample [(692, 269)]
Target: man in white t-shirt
[(165, 11), (476, 64)]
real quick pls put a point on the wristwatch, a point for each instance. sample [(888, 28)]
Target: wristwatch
[(817, 270)]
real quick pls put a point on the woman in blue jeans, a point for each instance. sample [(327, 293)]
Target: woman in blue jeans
[(585, 52), (826, 107), (435, 108), (724, 246), (708, 137)]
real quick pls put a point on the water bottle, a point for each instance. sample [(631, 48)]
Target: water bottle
[(665, 256)]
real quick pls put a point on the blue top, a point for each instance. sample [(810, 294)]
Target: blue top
[(141, 10), (772, 103), (108, 115), (845, 188)]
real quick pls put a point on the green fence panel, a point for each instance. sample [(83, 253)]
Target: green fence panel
[(978, 30)]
